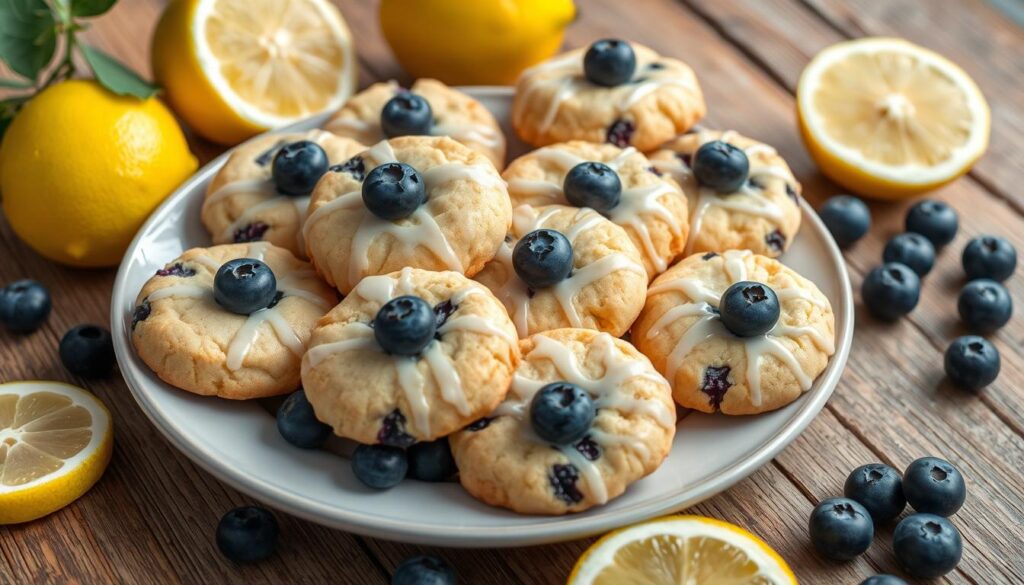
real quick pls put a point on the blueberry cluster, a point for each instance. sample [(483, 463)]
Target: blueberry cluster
[(926, 543)]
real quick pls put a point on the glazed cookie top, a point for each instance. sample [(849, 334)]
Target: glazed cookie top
[(454, 114), (458, 226), (555, 102), (373, 396), (651, 208), (192, 342), (605, 289), (243, 204), (682, 331), (503, 462), (762, 216)]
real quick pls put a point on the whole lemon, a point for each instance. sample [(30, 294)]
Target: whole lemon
[(474, 42), (83, 168)]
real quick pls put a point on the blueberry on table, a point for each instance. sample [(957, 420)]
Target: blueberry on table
[(847, 218), (87, 351), (934, 220), (989, 257), (594, 185), (972, 362), (405, 325), (891, 291), (934, 486), (912, 250), (609, 62), (298, 424), (883, 580), (379, 466), (561, 413), (247, 535), (424, 570), (298, 166), (984, 305), (244, 286), (24, 306), (406, 114), (841, 529), (721, 166), (432, 461), (393, 191), (749, 308), (879, 489), (926, 545), (542, 258)]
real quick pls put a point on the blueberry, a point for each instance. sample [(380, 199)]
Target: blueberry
[(244, 286), (749, 308), (883, 580), (542, 258), (912, 250), (620, 133), (594, 185), (87, 351), (299, 425), (891, 291), (24, 306), (247, 534), (927, 546), (934, 486), (298, 166), (721, 166), (424, 570), (561, 413), (847, 218), (841, 529), (989, 257), (972, 362), (609, 62), (934, 220), (432, 461), (405, 325), (393, 191), (406, 114), (984, 305), (379, 466), (879, 489)]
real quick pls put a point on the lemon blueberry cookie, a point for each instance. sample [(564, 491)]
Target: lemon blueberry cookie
[(567, 267), (262, 191), (614, 91), (230, 320), (428, 108), (586, 416), (742, 194), (736, 332), (424, 202), (410, 356), (618, 183)]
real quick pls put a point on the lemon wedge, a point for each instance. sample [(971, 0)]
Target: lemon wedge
[(886, 118), (681, 550), (55, 442)]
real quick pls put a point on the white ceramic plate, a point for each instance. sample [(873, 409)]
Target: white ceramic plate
[(239, 442)]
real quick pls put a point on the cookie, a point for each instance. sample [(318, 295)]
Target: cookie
[(605, 290), (191, 342), (243, 205), (710, 368), (459, 227), (455, 115), (763, 216), (502, 461), (554, 102), (371, 396), (652, 209)]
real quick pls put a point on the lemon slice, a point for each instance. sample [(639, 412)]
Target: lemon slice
[(889, 119), (681, 550), (55, 442)]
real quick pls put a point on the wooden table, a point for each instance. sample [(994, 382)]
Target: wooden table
[(152, 516)]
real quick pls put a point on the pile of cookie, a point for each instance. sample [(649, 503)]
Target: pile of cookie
[(543, 318)]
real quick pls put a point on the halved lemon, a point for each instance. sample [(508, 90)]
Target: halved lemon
[(55, 442), (681, 550), (886, 118), (234, 68)]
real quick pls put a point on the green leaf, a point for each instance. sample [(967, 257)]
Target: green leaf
[(15, 84), (115, 76), (28, 36), (88, 8)]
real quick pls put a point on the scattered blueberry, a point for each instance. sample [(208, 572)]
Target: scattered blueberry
[(926, 545), (588, 448), (379, 466), (891, 291), (87, 351), (934, 486), (247, 534), (934, 220), (989, 257), (392, 430), (298, 424), (141, 313), (749, 308), (912, 250), (620, 133), (563, 480), (424, 570), (721, 166), (298, 166), (542, 258), (561, 413), (252, 232), (775, 240), (353, 166), (393, 191), (972, 362), (177, 269), (244, 286), (24, 306), (984, 305), (879, 489), (847, 218), (609, 62), (594, 185), (404, 325), (883, 580), (715, 384), (432, 461), (841, 529), (406, 114)]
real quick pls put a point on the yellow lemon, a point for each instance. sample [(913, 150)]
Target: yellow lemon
[(474, 42), (83, 168), (681, 549), (888, 119), (55, 442), (234, 68)]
